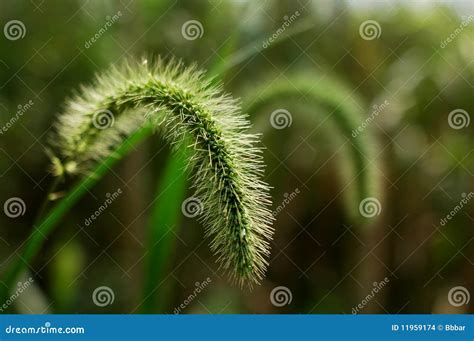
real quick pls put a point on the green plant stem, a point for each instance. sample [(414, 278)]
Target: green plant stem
[(41, 231), (46, 201), (162, 227)]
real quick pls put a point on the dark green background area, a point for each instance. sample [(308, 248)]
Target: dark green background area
[(325, 257)]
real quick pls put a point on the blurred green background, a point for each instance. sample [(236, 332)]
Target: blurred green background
[(327, 261)]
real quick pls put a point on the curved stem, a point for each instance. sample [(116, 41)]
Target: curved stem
[(40, 232)]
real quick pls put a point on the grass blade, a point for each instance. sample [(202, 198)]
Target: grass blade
[(165, 219)]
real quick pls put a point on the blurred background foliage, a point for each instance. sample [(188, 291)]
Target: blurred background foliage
[(327, 259)]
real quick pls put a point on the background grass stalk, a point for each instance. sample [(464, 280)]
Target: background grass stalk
[(339, 106)]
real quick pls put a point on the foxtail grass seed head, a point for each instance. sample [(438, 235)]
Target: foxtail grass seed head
[(189, 113)]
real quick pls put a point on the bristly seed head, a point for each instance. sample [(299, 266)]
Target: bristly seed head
[(184, 107)]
